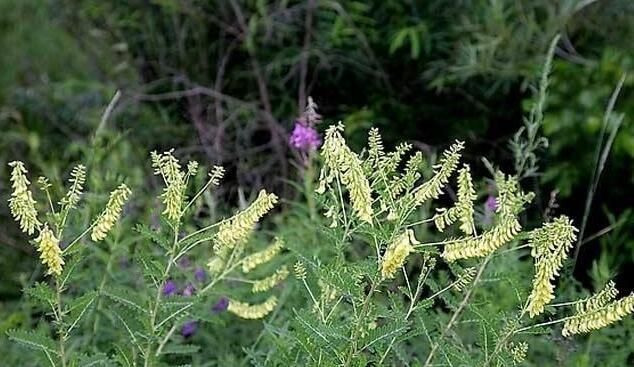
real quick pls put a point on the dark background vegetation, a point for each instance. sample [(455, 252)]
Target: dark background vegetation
[(223, 81)]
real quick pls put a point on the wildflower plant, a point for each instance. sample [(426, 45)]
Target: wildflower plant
[(381, 293), (157, 313)]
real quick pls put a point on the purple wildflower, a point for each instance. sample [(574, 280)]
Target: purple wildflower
[(200, 274), (189, 290), (221, 305), (491, 204), (169, 288), (189, 328), (304, 137)]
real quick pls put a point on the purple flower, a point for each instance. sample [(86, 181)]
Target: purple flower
[(189, 328), (200, 274), (304, 138), (491, 204), (221, 305), (189, 290), (169, 288)]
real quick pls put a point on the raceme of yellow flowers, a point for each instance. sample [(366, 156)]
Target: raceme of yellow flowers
[(24, 209)]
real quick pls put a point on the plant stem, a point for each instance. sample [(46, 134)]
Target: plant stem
[(58, 318), (157, 298), (456, 314), (355, 330)]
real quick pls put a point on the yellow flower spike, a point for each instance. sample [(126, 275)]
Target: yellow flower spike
[(550, 245), (483, 245), (518, 351), (173, 195), (464, 279), (271, 281), (511, 201), (396, 253), (466, 197), (254, 260), (596, 313), (77, 180), (432, 188), (236, 230), (252, 312), (111, 213), (445, 217), (216, 265), (50, 253), (300, 270), (340, 161), (21, 202)]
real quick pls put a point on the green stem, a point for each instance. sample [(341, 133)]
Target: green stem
[(361, 316), (157, 298), (58, 318), (456, 314)]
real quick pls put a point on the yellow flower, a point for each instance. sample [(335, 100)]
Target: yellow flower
[(111, 213), (396, 253), (252, 261), (248, 311), (483, 245), (271, 281), (511, 201), (550, 245), (21, 203), (167, 166), (598, 315), (50, 253), (77, 179), (342, 163), (432, 188), (464, 279), (236, 230)]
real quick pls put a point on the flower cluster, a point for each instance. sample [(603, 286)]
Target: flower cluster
[(258, 258), (463, 210), (465, 278), (77, 180), (271, 281), (304, 137), (252, 311), (510, 202), (21, 203), (169, 168), (341, 163), (549, 246), (50, 253), (432, 188), (111, 213), (396, 253), (236, 230), (599, 311)]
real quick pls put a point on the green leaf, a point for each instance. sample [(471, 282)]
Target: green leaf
[(99, 359), (181, 349), (153, 235), (397, 41), (414, 43), (41, 292), (125, 298), (34, 341), (78, 307)]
